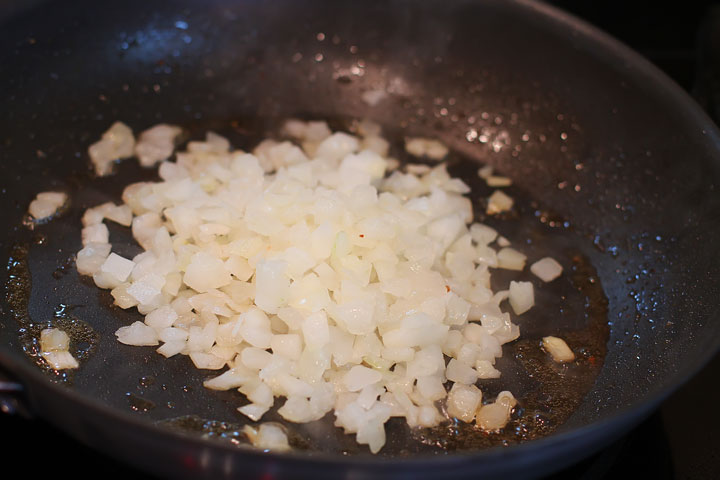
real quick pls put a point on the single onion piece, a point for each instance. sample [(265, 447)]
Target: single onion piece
[(494, 416), (463, 401), (498, 181), (499, 202), (206, 272), (521, 296), (60, 360), (90, 259), (510, 259), (119, 268), (546, 269), (558, 349), (95, 234), (156, 144), (46, 204), (253, 412), (268, 436), (54, 339), (54, 349), (137, 334), (485, 369), (116, 144)]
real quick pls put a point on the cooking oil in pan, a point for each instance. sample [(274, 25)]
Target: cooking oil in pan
[(573, 307), (551, 391), (83, 338), (227, 431)]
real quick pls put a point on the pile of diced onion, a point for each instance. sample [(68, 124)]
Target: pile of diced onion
[(317, 273)]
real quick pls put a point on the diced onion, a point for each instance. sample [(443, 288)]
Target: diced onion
[(116, 144), (268, 437), (511, 259), (463, 401), (54, 348), (425, 147), (558, 349), (312, 270), (495, 416), (499, 202), (46, 204), (498, 181), (546, 269), (156, 144), (521, 296)]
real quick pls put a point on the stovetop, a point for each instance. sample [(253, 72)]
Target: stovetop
[(679, 440)]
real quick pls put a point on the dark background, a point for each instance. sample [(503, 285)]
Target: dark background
[(680, 440)]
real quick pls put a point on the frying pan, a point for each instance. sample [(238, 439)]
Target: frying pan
[(602, 148)]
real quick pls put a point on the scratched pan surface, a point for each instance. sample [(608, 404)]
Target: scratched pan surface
[(615, 172)]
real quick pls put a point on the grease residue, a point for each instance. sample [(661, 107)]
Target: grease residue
[(225, 431), (552, 391), (83, 338)]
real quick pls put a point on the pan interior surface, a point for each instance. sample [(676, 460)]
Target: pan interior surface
[(615, 171)]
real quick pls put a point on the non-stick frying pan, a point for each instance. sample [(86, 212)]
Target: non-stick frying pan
[(612, 164)]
